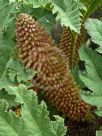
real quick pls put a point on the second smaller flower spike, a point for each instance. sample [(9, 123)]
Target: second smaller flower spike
[(66, 45), (38, 51)]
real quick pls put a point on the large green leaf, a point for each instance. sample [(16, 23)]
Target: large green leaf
[(68, 11), (75, 73), (58, 125), (6, 9), (92, 77), (94, 28), (98, 133), (36, 3), (15, 68), (45, 18), (6, 48), (5, 82), (15, 73), (9, 98), (34, 120), (7, 26), (95, 100)]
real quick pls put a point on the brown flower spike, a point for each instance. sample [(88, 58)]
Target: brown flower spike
[(37, 51), (66, 44)]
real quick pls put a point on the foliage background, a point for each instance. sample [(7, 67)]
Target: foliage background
[(14, 78)]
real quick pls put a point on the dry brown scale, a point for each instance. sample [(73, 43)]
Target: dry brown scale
[(38, 51)]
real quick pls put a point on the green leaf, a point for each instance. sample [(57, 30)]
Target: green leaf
[(94, 29), (58, 125), (5, 82), (34, 120), (68, 11), (95, 100), (98, 133), (37, 3), (9, 119), (6, 9), (15, 68), (75, 73), (7, 25), (44, 17), (92, 75), (9, 98), (15, 73), (6, 48)]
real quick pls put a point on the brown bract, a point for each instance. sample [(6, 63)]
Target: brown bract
[(38, 51)]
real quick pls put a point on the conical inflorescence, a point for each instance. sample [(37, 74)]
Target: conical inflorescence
[(66, 44), (38, 51)]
